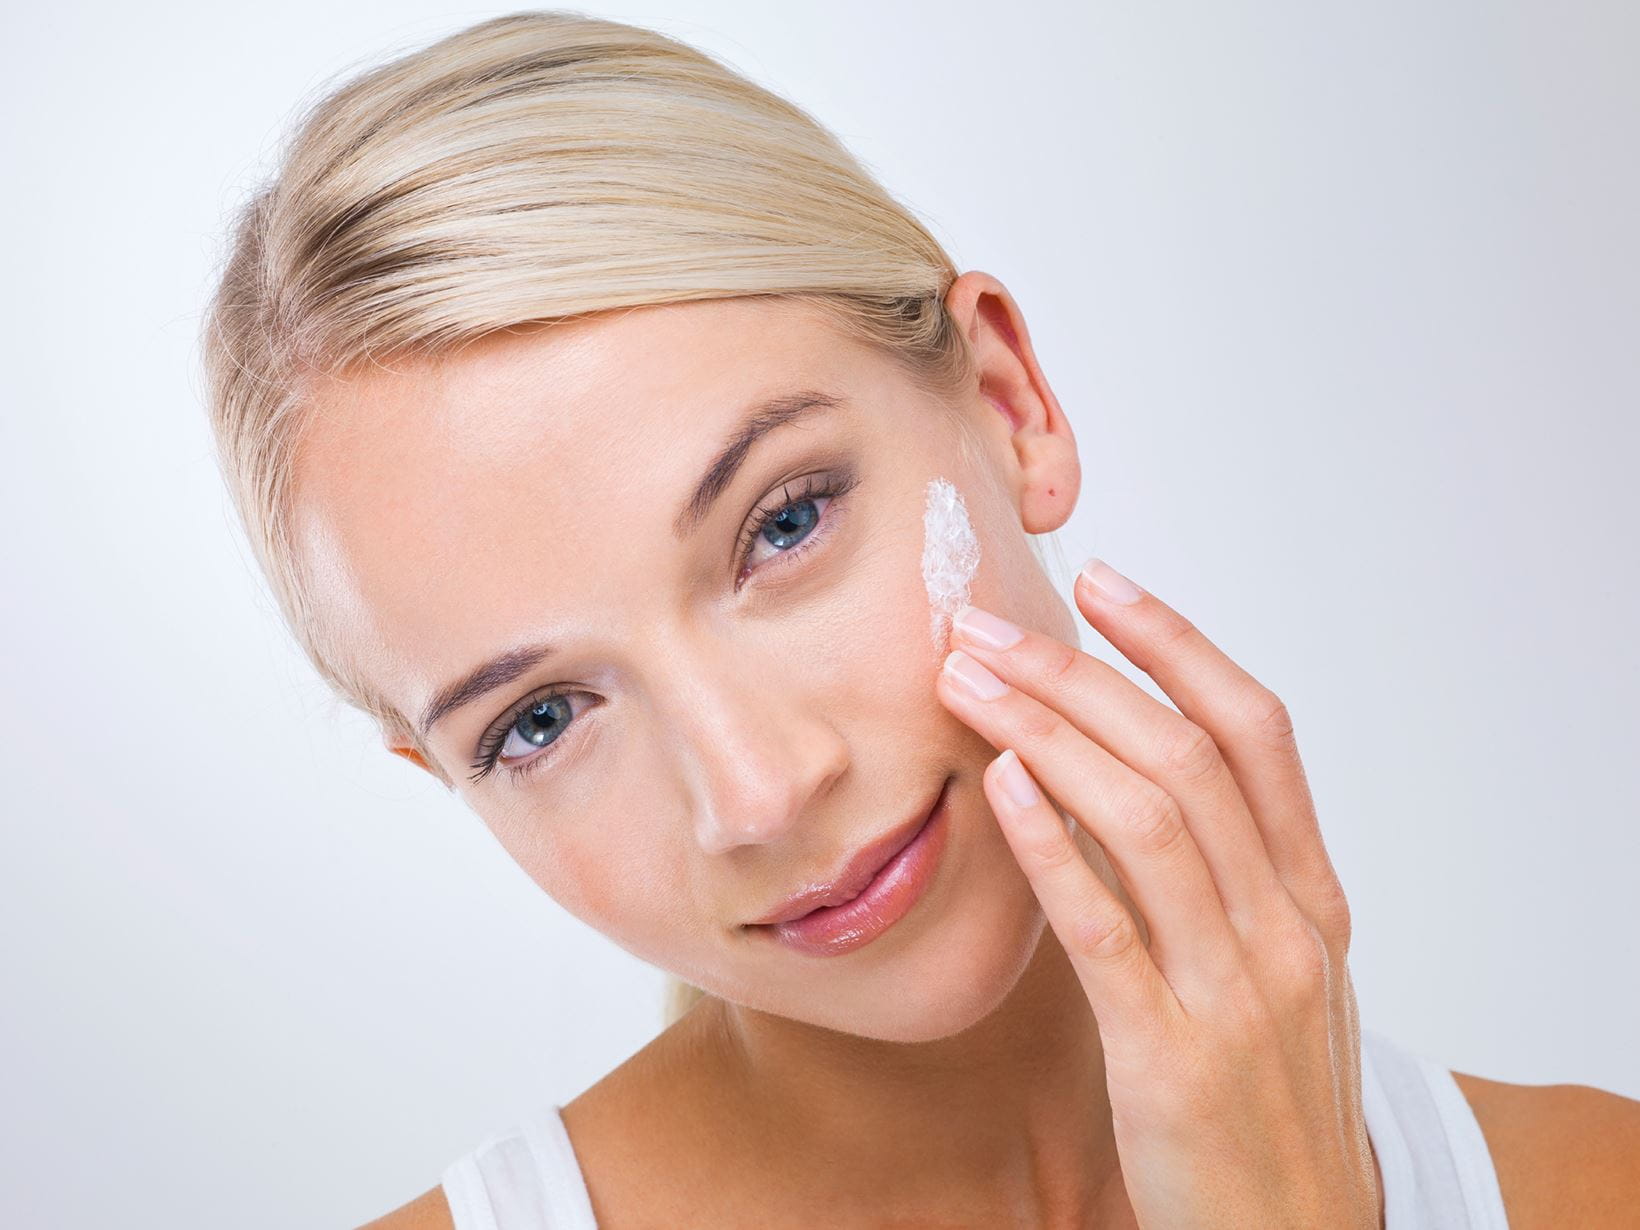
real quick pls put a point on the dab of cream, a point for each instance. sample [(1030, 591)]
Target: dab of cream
[(950, 556)]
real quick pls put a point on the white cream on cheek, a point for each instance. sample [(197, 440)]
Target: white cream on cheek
[(950, 557)]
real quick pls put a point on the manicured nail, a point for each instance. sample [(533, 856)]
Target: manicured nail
[(1016, 783), (973, 676), (1112, 584), (984, 628)]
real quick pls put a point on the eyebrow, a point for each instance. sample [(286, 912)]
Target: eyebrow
[(719, 475)]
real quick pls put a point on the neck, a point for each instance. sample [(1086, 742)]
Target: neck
[(1009, 1117)]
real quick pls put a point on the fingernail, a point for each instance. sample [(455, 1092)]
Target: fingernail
[(984, 628), (1015, 781), (973, 676), (1112, 584)]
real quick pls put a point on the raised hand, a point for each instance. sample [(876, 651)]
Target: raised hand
[(1231, 1040)]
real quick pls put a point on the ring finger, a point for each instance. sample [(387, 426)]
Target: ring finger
[(1138, 823)]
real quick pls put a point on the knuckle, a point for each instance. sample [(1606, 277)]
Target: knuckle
[(1269, 717), (1304, 963), (1178, 629), (1060, 664), (1150, 819), (1189, 754), (1038, 723), (1051, 852), (1104, 936)]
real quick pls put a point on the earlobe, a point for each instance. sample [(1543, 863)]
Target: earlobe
[(1052, 480), (1012, 383)]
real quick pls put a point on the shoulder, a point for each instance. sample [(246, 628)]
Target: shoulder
[(601, 1112), (428, 1211), (1564, 1154)]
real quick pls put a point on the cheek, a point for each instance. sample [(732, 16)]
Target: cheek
[(917, 574), (879, 634), (579, 863), (620, 879), (868, 656)]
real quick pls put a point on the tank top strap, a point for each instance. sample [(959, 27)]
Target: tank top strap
[(527, 1178), (568, 1202), (1437, 1168)]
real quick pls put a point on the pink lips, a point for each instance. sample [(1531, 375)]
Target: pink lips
[(830, 930)]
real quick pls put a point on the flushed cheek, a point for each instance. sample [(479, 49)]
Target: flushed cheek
[(918, 577), (634, 891)]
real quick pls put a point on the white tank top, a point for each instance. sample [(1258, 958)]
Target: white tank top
[(1437, 1170)]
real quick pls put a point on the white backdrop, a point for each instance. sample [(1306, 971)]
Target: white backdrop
[(1342, 301)]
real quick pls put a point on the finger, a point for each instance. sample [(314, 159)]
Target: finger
[(1247, 721), (1138, 823), (1125, 988), (1152, 737)]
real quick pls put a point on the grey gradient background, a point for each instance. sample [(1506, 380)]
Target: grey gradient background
[(1341, 299)]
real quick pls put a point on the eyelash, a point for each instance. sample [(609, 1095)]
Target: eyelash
[(816, 486)]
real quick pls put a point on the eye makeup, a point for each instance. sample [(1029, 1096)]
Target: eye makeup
[(549, 705), (830, 486)]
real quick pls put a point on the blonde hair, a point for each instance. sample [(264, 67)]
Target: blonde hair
[(534, 167)]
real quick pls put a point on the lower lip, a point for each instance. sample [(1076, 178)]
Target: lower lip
[(835, 929)]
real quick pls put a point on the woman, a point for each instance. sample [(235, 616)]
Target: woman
[(656, 482)]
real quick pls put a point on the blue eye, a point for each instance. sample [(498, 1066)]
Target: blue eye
[(787, 523), (539, 722)]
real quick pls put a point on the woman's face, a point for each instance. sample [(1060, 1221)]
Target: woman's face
[(722, 714)]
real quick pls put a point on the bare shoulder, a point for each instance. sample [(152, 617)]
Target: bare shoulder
[(428, 1211), (1565, 1154), (614, 1127)]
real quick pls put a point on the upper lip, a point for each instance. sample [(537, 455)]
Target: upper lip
[(860, 869)]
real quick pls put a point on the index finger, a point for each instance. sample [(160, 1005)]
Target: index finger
[(1148, 734), (1249, 723)]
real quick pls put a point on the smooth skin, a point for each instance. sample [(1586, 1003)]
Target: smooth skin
[(1161, 1055), (1232, 1051)]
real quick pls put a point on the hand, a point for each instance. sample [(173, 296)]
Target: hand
[(1232, 1048)]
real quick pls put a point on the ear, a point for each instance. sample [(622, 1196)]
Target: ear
[(399, 747), (1050, 473)]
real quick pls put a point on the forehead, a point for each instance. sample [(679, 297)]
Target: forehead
[(526, 486)]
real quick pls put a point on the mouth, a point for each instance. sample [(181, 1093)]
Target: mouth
[(874, 892)]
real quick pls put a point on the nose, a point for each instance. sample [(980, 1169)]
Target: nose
[(760, 751)]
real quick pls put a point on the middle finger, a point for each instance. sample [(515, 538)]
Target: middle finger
[(1138, 824), (1160, 742)]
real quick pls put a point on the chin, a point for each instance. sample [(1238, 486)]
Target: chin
[(946, 972)]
